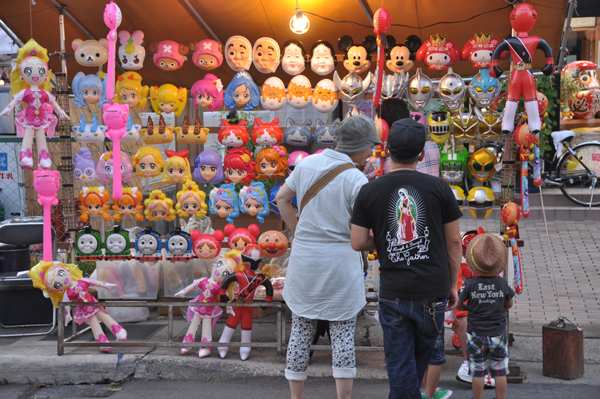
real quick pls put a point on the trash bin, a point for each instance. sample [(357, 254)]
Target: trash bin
[(21, 304), (14, 258)]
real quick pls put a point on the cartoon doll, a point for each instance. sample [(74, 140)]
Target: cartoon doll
[(30, 85), (438, 52), (273, 243), (400, 58), (239, 238), (267, 133), (293, 57), (207, 246), (299, 92), (129, 90), (148, 162), (357, 57), (232, 135), (208, 167), (272, 94), (325, 98), (208, 54), (208, 93), (65, 283), (168, 99), (129, 204), (254, 200), (88, 89), (242, 92), (94, 201), (169, 55), (177, 167), (271, 163), (479, 49), (266, 55), (159, 207), (238, 53), (84, 166), (223, 202), (239, 166), (131, 51), (209, 315), (105, 167), (191, 201), (322, 58)]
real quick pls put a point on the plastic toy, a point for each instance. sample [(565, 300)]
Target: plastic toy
[(586, 103), (294, 159), (88, 244), (116, 116), (484, 89), (465, 125), (159, 207), (208, 93), (194, 135), (438, 52), (510, 217), (525, 140), (63, 282), (266, 133), (90, 53), (452, 90), (129, 90), (273, 203), (238, 165), (209, 315), (381, 22), (161, 135), (439, 124), (542, 107), (223, 202), (105, 169), (357, 57), (293, 57), (322, 58), (522, 82), (148, 245), (453, 165), (47, 184), (419, 117), (178, 245), (353, 89), (132, 51), (207, 246), (168, 99), (239, 238), (272, 94), (148, 162), (177, 167), (208, 54), (117, 244), (94, 201), (482, 165), (273, 243), (238, 53), (169, 55), (191, 201), (459, 195), (271, 163), (88, 89), (324, 133), (254, 200), (89, 132), (298, 135), (84, 166), (132, 131), (299, 92), (400, 58), (208, 167), (232, 135), (420, 90), (30, 85), (248, 281), (266, 55), (480, 202), (129, 204), (325, 96), (479, 49), (393, 86), (242, 92)]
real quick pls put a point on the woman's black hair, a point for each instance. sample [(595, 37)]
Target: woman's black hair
[(297, 43)]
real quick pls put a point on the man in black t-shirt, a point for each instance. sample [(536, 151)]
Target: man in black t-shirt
[(414, 219)]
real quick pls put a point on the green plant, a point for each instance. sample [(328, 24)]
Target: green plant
[(86, 267), (568, 88)]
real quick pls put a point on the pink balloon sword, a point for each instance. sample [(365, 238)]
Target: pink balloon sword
[(47, 184)]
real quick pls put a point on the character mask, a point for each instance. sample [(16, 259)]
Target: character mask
[(451, 90), (266, 55), (299, 92), (272, 94), (420, 90)]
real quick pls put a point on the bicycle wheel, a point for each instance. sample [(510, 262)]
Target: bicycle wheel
[(579, 175)]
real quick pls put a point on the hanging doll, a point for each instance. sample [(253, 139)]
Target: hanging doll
[(168, 99), (129, 90), (209, 315), (84, 166), (65, 283), (191, 201), (239, 238), (94, 201), (208, 167), (271, 163), (132, 51), (169, 55), (208, 93), (159, 207), (88, 90), (438, 52), (30, 85), (148, 162), (242, 92), (104, 169), (223, 201), (207, 246), (129, 204), (177, 167), (238, 166), (254, 200), (208, 54)]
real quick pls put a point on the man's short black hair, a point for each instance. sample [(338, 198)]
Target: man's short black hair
[(406, 162), (394, 109)]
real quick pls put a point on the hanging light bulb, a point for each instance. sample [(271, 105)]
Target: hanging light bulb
[(299, 23)]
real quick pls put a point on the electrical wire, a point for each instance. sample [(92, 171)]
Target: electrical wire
[(337, 22)]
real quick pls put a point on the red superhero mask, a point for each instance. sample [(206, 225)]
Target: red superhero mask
[(522, 19)]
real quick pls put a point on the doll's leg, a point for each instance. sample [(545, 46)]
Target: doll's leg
[(115, 327), (191, 333), (508, 120), (26, 157), (44, 160), (230, 327), (206, 337), (246, 332), (533, 116), (98, 334)]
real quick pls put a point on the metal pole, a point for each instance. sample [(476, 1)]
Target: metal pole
[(201, 20), (61, 27), (61, 330), (367, 11), (10, 34), (562, 56)]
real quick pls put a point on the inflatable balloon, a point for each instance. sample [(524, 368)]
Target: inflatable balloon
[(438, 52)]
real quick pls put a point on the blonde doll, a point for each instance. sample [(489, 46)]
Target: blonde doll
[(94, 201), (148, 162), (177, 167), (129, 204), (191, 201), (129, 90), (168, 99), (65, 283), (159, 207)]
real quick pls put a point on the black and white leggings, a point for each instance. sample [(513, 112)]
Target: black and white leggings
[(342, 343)]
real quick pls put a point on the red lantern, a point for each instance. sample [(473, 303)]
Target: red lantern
[(382, 20)]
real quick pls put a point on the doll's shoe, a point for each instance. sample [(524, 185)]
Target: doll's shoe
[(26, 159), (225, 337), (102, 338), (44, 160), (119, 332), (187, 339), (245, 350), (204, 351)]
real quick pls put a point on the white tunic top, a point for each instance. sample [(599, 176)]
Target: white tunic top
[(325, 279)]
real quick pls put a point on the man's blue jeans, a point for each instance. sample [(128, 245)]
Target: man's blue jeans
[(410, 329)]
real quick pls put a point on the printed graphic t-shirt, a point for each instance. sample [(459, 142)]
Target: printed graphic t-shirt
[(406, 211), (486, 296)]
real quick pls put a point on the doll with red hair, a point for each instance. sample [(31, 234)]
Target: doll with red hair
[(271, 163), (238, 238), (239, 166), (207, 246)]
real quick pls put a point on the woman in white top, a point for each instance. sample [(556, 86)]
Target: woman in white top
[(325, 275)]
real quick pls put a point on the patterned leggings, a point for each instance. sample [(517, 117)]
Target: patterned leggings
[(342, 343)]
